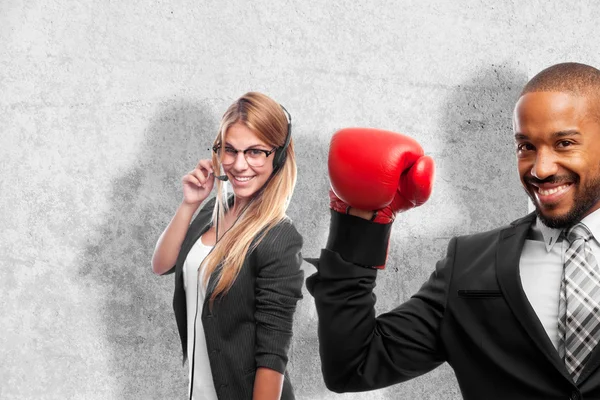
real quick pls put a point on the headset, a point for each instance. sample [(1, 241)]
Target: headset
[(281, 152)]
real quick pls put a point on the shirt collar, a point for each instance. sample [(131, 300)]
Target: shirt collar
[(551, 236), (592, 222)]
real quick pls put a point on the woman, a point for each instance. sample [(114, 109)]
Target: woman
[(237, 265)]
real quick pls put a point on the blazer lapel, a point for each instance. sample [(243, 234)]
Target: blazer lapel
[(508, 255), (591, 365)]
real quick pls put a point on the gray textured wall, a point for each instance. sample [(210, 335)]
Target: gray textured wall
[(105, 105)]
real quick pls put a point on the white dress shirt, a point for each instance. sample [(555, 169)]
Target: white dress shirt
[(195, 292), (541, 267)]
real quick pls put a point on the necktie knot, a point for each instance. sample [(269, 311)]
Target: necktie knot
[(578, 231)]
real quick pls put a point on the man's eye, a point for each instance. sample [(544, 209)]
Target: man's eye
[(524, 147), (564, 143)]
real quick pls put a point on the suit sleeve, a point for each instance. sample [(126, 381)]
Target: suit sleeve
[(278, 289), (360, 351)]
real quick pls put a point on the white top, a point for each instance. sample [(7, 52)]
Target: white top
[(204, 388), (541, 267)]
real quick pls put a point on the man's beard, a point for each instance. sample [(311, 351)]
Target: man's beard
[(588, 197)]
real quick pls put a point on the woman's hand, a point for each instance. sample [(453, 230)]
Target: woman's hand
[(198, 183), (268, 384)]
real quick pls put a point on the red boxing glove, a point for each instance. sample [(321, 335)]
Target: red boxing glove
[(373, 169)]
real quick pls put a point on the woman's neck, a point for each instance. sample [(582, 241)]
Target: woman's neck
[(238, 206)]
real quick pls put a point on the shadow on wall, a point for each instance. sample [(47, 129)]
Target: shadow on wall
[(478, 161), (309, 209), (138, 321), (477, 189)]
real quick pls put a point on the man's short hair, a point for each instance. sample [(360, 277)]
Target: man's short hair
[(573, 78), (566, 77)]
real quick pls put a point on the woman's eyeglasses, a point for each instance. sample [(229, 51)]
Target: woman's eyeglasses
[(254, 157)]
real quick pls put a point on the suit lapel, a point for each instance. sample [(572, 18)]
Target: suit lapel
[(508, 256), (591, 365)]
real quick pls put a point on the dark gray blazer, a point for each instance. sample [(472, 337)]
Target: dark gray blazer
[(471, 313), (251, 326)]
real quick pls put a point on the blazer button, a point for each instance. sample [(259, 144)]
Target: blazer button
[(575, 396)]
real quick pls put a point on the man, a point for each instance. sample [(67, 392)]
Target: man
[(514, 311)]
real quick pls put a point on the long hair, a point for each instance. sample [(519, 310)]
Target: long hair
[(265, 118)]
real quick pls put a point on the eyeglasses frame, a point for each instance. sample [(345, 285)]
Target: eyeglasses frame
[(216, 148)]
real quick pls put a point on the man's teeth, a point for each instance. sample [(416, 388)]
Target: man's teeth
[(546, 192), (243, 178)]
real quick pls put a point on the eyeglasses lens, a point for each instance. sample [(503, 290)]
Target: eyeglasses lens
[(254, 157)]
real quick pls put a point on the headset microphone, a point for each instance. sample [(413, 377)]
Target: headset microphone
[(222, 178)]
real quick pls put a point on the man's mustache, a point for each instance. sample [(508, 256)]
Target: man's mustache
[(553, 179)]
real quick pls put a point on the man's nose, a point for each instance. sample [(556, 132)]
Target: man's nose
[(545, 164)]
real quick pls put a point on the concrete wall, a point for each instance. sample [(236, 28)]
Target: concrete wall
[(105, 105)]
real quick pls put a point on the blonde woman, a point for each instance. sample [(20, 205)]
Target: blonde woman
[(237, 265)]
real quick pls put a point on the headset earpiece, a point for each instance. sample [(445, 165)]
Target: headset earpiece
[(281, 152)]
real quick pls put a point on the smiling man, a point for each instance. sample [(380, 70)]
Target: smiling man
[(557, 132), (515, 311)]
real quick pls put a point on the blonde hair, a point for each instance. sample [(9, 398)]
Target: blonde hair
[(265, 118)]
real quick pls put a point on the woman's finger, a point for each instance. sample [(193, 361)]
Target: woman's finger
[(191, 178), (206, 165), (201, 176)]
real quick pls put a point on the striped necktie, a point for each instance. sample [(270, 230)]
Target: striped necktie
[(578, 309)]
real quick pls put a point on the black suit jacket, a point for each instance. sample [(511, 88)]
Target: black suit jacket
[(471, 313), (251, 326)]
